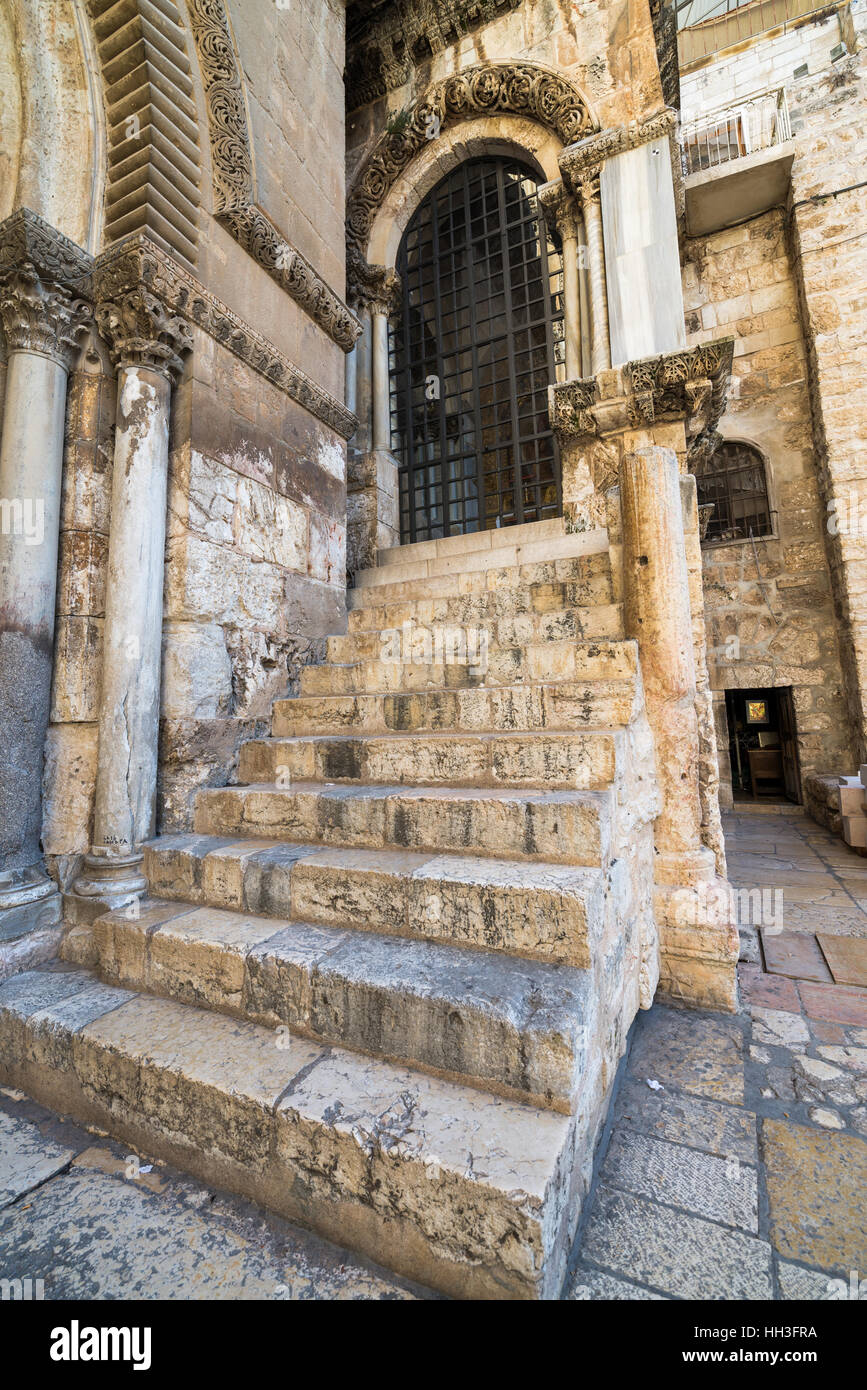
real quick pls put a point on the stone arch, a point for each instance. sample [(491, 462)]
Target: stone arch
[(495, 135), (531, 91)]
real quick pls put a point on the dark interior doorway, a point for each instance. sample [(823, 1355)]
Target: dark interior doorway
[(763, 745)]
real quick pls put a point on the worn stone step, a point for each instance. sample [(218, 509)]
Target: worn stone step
[(548, 912), (577, 761), (478, 1017), (559, 705), (556, 598), (565, 827), (394, 586), (471, 541), (589, 632), (462, 1190), (493, 558), (478, 666)]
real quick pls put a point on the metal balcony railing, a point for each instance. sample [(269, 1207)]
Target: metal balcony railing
[(717, 137)]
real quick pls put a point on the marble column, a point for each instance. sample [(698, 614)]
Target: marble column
[(563, 216), (372, 483), (42, 275), (147, 342), (600, 346)]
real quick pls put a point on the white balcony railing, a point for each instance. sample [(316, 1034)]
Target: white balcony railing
[(716, 137)]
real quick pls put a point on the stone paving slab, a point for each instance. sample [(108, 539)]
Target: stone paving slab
[(816, 1186), (95, 1222), (721, 1189), (846, 958), (701, 1054), (794, 954)]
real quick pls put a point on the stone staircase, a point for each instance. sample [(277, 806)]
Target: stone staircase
[(384, 985)]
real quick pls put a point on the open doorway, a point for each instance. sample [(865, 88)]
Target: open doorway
[(763, 745)]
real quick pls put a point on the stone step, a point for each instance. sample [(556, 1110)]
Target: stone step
[(472, 541), (565, 827), (603, 660), (565, 608), (394, 587), (482, 1018), (531, 646), (560, 705), (547, 912), (492, 558), (563, 761), (462, 1190)]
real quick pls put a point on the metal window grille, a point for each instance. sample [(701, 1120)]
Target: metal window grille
[(477, 342), (734, 480)]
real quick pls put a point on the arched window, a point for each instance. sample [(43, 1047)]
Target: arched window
[(477, 343), (733, 479)]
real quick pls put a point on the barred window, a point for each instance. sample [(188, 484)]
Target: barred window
[(477, 342), (733, 479)]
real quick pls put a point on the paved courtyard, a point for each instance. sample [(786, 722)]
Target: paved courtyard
[(736, 1163)]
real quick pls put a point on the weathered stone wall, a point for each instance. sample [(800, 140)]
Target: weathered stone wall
[(769, 606), (609, 51)]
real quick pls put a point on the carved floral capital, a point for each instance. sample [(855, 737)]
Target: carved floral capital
[(44, 288), (141, 332)]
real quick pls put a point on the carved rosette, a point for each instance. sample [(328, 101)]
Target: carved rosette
[(44, 288), (486, 89)]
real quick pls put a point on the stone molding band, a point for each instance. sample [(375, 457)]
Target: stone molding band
[(232, 175), (146, 302)]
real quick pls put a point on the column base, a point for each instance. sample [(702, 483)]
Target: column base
[(30, 920), (107, 884)]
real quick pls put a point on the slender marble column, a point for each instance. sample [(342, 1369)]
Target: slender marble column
[(146, 342), (381, 402), (600, 350), (563, 217), (43, 320)]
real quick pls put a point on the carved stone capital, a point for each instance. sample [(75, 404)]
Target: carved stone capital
[(587, 156), (44, 288), (559, 208), (587, 186), (689, 386), (141, 332), (374, 288)]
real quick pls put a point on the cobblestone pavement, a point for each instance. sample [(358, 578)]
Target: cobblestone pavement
[(735, 1164)]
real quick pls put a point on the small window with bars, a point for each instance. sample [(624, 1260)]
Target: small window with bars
[(733, 480)]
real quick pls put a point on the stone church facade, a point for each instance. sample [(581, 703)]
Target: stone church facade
[(423, 427)]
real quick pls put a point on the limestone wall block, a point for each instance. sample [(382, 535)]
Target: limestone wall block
[(69, 780), (196, 671)]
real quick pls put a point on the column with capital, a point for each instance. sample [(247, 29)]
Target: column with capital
[(563, 216), (44, 310), (373, 520), (587, 186), (147, 342)]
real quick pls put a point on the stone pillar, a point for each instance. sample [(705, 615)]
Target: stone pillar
[(42, 275), (146, 342), (600, 346), (699, 945), (372, 513)]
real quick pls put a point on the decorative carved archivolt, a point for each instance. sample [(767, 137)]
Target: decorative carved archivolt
[(486, 89), (138, 264), (232, 167), (44, 288), (384, 49)]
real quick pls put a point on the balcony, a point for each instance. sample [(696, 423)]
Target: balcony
[(736, 162)]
